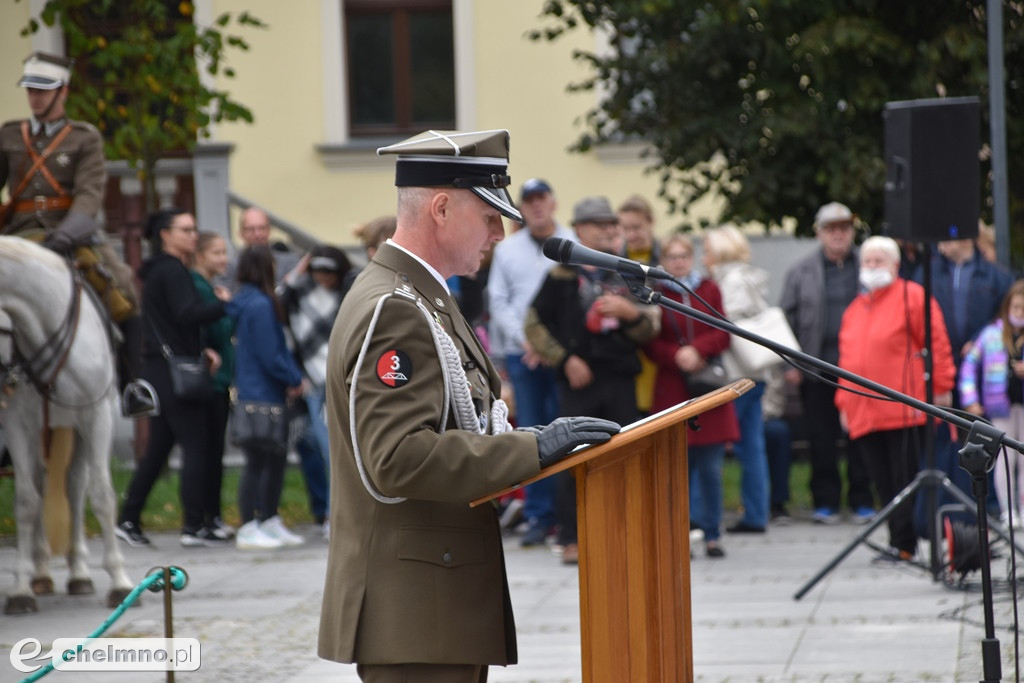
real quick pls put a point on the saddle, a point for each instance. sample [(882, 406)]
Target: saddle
[(86, 259), (118, 304)]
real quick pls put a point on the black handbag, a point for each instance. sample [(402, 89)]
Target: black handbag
[(259, 423), (709, 378), (190, 375), (190, 378)]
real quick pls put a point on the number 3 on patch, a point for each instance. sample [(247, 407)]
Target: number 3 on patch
[(394, 368)]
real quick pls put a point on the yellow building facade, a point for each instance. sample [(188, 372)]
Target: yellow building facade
[(300, 159)]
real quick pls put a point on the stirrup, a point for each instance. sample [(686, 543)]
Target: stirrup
[(139, 399)]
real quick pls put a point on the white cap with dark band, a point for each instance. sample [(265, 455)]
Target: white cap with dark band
[(45, 71)]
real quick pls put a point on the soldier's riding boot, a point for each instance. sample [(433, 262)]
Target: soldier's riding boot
[(138, 397)]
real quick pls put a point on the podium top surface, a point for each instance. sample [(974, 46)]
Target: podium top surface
[(636, 431)]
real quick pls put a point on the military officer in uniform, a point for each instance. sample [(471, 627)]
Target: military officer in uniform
[(56, 175), (416, 587)]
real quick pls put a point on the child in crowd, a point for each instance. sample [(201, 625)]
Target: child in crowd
[(990, 385)]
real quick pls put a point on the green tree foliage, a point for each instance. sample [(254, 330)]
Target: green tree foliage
[(777, 104), (138, 64)]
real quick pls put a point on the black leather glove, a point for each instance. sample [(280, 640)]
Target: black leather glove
[(558, 439), (59, 241)]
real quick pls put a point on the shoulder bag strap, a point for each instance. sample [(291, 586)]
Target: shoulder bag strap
[(164, 348)]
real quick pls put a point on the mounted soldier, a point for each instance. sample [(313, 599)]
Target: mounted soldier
[(56, 176)]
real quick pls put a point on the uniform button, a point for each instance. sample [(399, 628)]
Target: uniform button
[(447, 558), (405, 278)]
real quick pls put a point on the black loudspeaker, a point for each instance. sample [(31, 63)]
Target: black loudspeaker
[(932, 185)]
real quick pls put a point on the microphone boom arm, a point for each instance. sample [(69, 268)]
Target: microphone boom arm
[(801, 358)]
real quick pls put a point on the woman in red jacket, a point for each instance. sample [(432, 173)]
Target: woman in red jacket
[(684, 345), (881, 338)]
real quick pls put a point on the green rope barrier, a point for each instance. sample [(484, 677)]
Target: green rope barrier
[(153, 583)]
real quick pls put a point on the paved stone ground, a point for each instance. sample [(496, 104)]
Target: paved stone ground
[(256, 614)]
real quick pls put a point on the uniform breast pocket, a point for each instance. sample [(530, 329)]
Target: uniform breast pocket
[(446, 547)]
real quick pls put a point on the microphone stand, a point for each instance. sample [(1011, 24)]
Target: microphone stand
[(977, 456)]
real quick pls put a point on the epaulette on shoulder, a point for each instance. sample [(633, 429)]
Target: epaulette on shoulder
[(13, 122), (405, 291), (561, 272), (84, 125)]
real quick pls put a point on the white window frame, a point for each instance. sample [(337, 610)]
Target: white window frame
[(338, 149)]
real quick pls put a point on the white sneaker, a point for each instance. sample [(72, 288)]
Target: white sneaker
[(223, 526), (252, 537), (275, 528), (325, 530)]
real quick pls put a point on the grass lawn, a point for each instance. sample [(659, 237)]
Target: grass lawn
[(163, 510)]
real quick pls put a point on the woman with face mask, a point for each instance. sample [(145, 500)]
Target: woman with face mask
[(881, 338)]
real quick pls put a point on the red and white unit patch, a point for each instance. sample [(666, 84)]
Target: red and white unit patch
[(394, 368)]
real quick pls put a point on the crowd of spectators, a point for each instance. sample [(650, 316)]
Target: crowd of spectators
[(570, 340), (591, 352), (261, 322)]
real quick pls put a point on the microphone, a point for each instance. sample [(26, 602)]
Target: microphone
[(569, 253)]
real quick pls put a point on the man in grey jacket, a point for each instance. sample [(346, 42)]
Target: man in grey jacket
[(517, 270), (816, 292)]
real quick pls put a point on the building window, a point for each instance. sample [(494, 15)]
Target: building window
[(401, 66)]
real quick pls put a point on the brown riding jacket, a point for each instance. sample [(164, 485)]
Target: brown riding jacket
[(77, 165), (420, 579)]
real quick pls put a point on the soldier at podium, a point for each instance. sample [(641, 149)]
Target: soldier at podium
[(416, 587)]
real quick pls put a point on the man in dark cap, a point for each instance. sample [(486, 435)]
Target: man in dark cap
[(583, 324), (56, 175), (416, 587)]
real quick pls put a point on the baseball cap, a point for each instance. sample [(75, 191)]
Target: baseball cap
[(534, 186), (476, 161)]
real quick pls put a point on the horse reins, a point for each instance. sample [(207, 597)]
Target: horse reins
[(54, 351)]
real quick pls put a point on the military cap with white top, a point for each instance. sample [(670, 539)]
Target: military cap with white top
[(475, 161), (44, 71)]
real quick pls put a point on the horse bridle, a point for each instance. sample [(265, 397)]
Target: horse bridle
[(52, 353)]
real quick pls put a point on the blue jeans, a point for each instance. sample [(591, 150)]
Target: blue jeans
[(314, 453), (750, 453), (705, 465), (536, 404)]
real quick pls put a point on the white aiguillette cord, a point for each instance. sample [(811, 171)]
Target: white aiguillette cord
[(456, 393)]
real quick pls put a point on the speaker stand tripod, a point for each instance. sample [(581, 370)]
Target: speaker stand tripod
[(930, 479), (925, 478)]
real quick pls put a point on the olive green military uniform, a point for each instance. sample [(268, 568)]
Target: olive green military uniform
[(79, 168), (414, 574)]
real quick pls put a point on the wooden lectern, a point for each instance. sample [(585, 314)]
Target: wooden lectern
[(634, 544)]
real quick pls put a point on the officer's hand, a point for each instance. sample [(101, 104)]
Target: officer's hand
[(558, 439), (58, 240)]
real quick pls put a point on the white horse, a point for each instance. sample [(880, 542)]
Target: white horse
[(59, 375)]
